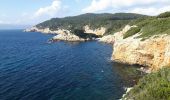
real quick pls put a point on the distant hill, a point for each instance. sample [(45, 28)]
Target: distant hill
[(112, 22)]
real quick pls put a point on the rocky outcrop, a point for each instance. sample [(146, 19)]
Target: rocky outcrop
[(68, 37), (107, 39), (35, 29), (32, 29), (116, 36), (99, 31), (48, 31), (153, 52), (62, 34)]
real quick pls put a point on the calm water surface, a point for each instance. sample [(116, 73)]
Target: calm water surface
[(32, 69)]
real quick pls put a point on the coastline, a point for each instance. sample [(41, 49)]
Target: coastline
[(134, 53), (67, 35)]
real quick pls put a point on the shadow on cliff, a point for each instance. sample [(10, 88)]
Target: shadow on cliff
[(129, 73)]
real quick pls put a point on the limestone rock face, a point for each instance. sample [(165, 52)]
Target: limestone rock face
[(116, 36), (107, 39), (153, 52), (100, 31)]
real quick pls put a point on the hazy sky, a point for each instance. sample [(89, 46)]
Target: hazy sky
[(30, 12)]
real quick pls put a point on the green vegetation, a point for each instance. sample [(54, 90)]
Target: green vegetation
[(164, 15), (154, 86), (112, 22), (132, 31), (150, 26)]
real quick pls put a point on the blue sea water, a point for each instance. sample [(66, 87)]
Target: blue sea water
[(33, 69)]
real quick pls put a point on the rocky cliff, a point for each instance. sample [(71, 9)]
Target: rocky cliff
[(99, 31), (67, 35), (87, 29), (153, 52)]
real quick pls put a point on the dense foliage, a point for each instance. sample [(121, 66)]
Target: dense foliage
[(150, 26), (131, 32), (154, 86), (164, 15), (112, 22)]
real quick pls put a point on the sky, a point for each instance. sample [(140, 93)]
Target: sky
[(32, 12)]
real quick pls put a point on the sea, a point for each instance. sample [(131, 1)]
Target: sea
[(32, 68)]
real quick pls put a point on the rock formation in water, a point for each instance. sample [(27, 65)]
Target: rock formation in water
[(68, 37)]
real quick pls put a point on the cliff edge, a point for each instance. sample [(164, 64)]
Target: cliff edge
[(153, 52), (147, 44)]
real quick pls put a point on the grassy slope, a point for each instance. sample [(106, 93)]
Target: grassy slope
[(151, 26), (154, 86)]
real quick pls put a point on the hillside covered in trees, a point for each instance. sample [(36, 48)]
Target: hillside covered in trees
[(112, 22)]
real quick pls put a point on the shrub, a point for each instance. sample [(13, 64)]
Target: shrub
[(150, 26), (156, 27), (131, 32), (154, 86)]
